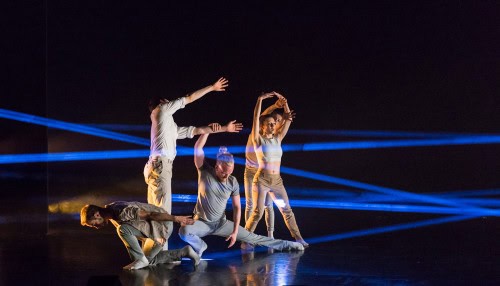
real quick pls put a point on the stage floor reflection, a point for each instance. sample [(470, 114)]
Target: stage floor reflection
[(458, 253)]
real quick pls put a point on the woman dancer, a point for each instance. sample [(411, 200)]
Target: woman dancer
[(267, 180), (252, 166)]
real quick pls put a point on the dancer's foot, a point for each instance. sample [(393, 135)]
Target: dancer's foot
[(202, 249), (303, 242), (138, 264), (296, 246), (189, 252)]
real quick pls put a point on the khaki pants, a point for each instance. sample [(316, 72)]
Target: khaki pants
[(268, 210), (158, 176), (272, 185), (131, 236)]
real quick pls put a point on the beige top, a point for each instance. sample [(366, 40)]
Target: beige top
[(128, 213)]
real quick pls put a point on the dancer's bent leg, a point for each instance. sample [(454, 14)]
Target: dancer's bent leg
[(192, 234)]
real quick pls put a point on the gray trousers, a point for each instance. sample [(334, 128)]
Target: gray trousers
[(153, 251), (192, 234), (158, 176)]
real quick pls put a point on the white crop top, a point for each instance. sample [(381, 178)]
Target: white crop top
[(269, 150)]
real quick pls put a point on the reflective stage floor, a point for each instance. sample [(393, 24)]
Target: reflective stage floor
[(456, 253), (372, 217)]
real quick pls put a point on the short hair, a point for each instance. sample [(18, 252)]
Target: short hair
[(87, 213), (153, 103), (223, 156), (263, 118)]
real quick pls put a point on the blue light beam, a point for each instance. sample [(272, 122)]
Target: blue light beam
[(391, 228), (326, 146), (369, 187), (80, 128), (322, 204), (72, 156)]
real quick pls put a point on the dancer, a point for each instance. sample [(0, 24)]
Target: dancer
[(215, 186), (164, 133), (252, 165), (267, 180), (139, 221)]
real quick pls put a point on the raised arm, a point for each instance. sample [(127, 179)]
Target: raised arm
[(219, 85), (278, 104), (287, 118), (256, 115), (199, 154)]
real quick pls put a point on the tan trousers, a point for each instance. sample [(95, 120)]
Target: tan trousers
[(272, 185), (158, 176), (268, 210)]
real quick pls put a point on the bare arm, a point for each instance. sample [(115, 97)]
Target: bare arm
[(236, 219), (287, 120), (184, 220), (278, 104), (199, 154), (219, 85), (231, 126), (256, 115)]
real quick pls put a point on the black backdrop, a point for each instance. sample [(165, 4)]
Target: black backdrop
[(380, 65)]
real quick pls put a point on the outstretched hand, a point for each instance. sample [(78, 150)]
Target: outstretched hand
[(184, 220), (232, 239), (234, 126), (221, 84)]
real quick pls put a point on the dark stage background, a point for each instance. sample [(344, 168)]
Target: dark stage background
[(420, 66)]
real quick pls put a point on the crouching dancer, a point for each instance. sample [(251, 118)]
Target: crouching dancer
[(215, 186), (140, 221)]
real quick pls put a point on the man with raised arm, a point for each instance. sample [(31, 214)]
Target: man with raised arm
[(164, 134), (215, 186)]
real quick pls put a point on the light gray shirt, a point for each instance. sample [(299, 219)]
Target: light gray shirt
[(164, 130), (213, 194), (128, 213)]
